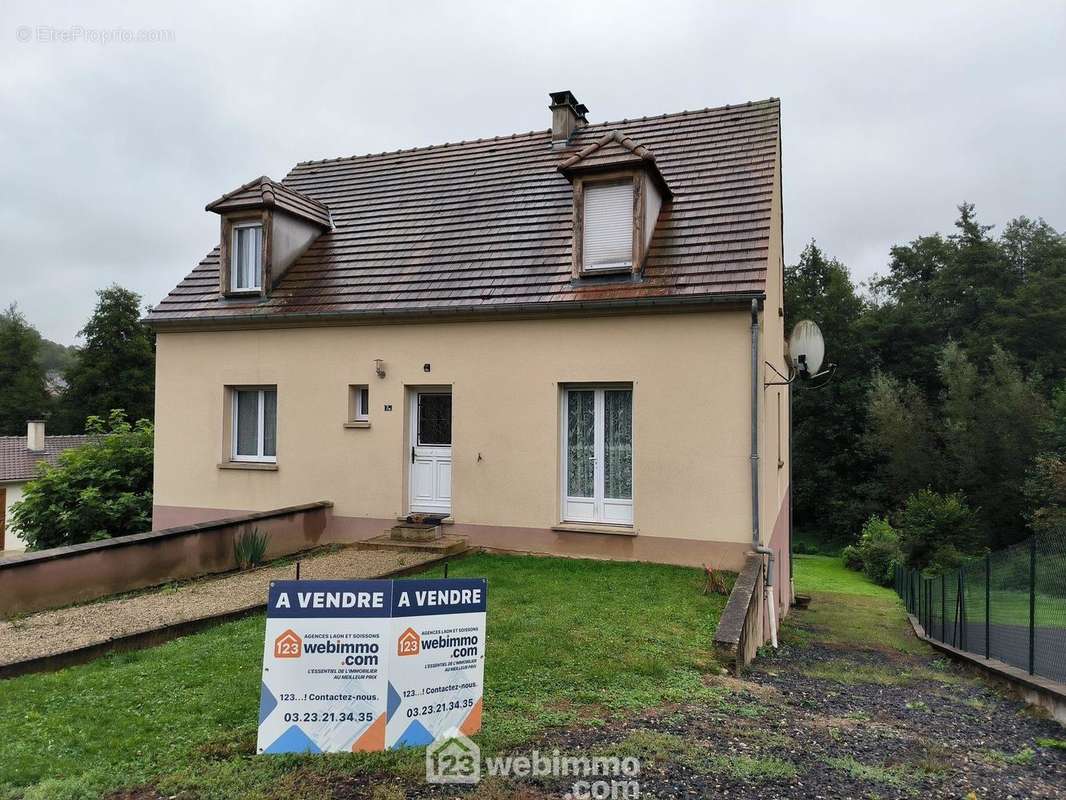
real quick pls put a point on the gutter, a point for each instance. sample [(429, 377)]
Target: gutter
[(280, 318), (756, 531)]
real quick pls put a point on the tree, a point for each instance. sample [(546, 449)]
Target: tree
[(829, 464), (96, 491), (116, 365), (937, 531), (22, 379)]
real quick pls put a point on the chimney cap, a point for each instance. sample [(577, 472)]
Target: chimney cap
[(565, 99)]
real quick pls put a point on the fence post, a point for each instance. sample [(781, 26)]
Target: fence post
[(960, 615), (1032, 602), (988, 605), (943, 608)]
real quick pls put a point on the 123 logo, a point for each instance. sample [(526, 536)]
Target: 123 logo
[(454, 759), (409, 644), (288, 645)]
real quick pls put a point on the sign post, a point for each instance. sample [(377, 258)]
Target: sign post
[(352, 666)]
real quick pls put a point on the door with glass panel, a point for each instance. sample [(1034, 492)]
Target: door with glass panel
[(431, 452), (598, 455)]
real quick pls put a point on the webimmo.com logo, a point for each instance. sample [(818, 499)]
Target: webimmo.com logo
[(456, 759)]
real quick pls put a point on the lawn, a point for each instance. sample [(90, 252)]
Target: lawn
[(850, 609), (568, 641)]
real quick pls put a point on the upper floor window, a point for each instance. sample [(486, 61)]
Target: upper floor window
[(246, 254), (607, 234)]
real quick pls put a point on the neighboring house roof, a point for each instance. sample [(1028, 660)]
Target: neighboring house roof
[(17, 463), (262, 191), (487, 225)]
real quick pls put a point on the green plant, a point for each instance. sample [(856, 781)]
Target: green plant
[(250, 547), (878, 550), (937, 531), (99, 490)]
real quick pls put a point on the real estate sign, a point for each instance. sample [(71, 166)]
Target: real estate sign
[(352, 666)]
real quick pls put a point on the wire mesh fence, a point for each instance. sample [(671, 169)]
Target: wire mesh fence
[(1009, 605)]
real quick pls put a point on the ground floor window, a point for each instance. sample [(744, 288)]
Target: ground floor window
[(255, 423), (598, 455)]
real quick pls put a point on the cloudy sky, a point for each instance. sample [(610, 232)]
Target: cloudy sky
[(110, 150)]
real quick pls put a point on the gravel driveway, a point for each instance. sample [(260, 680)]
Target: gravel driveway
[(53, 632)]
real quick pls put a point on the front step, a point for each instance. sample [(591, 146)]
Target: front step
[(446, 545)]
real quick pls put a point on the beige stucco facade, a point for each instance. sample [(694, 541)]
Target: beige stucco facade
[(691, 378)]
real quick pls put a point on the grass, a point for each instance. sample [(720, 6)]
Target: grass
[(654, 747), (870, 616), (183, 715), (816, 574)]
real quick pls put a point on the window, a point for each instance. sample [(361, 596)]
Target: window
[(359, 404), (246, 259), (607, 234), (598, 455), (255, 424)]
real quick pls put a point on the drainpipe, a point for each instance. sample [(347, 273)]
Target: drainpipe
[(756, 536)]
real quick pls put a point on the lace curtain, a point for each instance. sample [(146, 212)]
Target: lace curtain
[(580, 443), (618, 444)]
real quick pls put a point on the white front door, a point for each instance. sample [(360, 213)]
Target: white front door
[(431, 451), (598, 455)]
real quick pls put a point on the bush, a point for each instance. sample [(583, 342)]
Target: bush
[(877, 552), (96, 491), (852, 557), (937, 532), (249, 548)]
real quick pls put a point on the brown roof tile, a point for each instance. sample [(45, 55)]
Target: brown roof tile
[(17, 463), (487, 225)]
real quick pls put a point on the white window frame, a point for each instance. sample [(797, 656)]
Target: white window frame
[(613, 266), (598, 509), (234, 269), (260, 422), (360, 411)]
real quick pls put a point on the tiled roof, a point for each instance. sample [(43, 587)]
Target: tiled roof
[(19, 464), (487, 225), (263, 191)]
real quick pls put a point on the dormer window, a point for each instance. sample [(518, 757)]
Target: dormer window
[(607, 237), (266, 227), (246, 269), (618, 193)]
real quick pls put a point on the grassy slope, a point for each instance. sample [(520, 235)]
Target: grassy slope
[(867, 615), (567, 640)]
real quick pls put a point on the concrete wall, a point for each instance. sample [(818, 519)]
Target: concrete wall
[(691, 380), (13, 493), (64, 575)]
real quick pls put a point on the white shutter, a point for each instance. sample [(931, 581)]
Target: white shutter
[(607, 238)]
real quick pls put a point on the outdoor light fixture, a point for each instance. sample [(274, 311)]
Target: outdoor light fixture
[(379, 367)]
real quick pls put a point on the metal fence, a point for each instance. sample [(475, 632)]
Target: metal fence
[(1009, 605)]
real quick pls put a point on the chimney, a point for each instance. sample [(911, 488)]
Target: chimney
[(35, 435), (567, 116)]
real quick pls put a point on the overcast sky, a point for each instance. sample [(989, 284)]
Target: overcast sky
[(109, 151)]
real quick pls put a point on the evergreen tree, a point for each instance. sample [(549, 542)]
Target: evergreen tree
[(116, 365), (22, 380)]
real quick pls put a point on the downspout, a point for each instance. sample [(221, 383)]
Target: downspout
[(756, 535)]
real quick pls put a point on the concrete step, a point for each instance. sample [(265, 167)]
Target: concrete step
[(445, 545)]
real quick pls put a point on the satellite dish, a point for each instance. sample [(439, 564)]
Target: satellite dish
[(806, 348)]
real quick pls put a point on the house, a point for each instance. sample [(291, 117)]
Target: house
[(555, 338), (19, 457)]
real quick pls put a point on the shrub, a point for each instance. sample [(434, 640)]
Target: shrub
[(96, 491), (852, 557), (936, 532), (249, 548), (879, 550)]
